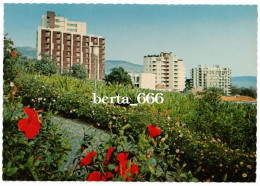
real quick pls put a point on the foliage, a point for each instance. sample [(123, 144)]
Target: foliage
[(118, 76), (147, 153), (41, 158), (244, 91), (202, 136), (11, 57), (45, 65), (78, 71), (213, 135)]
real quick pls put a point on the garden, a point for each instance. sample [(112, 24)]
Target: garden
[(184, 139)]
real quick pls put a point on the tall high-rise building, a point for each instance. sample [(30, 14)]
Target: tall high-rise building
[(68, 43), (169, 70), (206, 77)]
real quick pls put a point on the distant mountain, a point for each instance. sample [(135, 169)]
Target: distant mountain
[(28, 51), (244, 81), (129, 67)]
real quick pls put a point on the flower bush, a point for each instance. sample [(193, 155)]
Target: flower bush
[(183, 138)]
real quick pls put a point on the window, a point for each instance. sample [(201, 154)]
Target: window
[(68, 65), (78, 60), (58, 46), (68, 53), (77, 49), (58, 40), (47, 52), (57, 53), (47, 33), (87, 44), (69, 24), (58, 34), (57, 26), (57, 20), (78, 43), (72, 30), (78, 38), (68, 42), (68, 36), (58, 58), (68, 59), (69, 48), (47, 39), (57, 63), (78, 54), (47, 45)]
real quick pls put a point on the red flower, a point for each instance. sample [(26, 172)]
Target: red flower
[(88, 158), (134, 169), (108, 175), (122, 167), (96, 176), (14, 54), (122, 156), (15, 88), (153, 131), (109, 152), (30, 125)]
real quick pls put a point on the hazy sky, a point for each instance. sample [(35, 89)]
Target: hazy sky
[(199, 34)]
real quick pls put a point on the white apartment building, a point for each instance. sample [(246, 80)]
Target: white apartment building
[(169, 70), (143, 80), (68, 43), (206, 77)]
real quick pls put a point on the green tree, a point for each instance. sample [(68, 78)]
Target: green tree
[(118, 76), (234, 90), (11, 57), (78, 71), (46, 65), (249, 92)]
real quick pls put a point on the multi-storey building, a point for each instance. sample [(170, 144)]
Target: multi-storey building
[(143, 80), (205, 77), (169, 70), (68, 43)]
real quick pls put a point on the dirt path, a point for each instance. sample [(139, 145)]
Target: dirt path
[(74, 130)]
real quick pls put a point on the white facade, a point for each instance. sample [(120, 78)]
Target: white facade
[(143, 80), (62, 24), (169, 70), (206, 77)]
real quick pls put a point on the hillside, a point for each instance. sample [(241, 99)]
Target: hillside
[(28, 51), (129, 67)]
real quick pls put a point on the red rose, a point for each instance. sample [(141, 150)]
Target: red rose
[(153, 131), (109, 153), (30, 125), (97, 176), (122, 156), (134, 169), (94, 176), (88, 158)]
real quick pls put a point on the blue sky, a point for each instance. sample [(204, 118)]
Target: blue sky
[(199, 34)]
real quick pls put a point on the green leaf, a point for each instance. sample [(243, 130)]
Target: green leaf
[(152, 162), (34, 174), (152, 179), (29, 162), (225, 177), (11, 171), (194, 180), (183, 176), (111, 167)]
